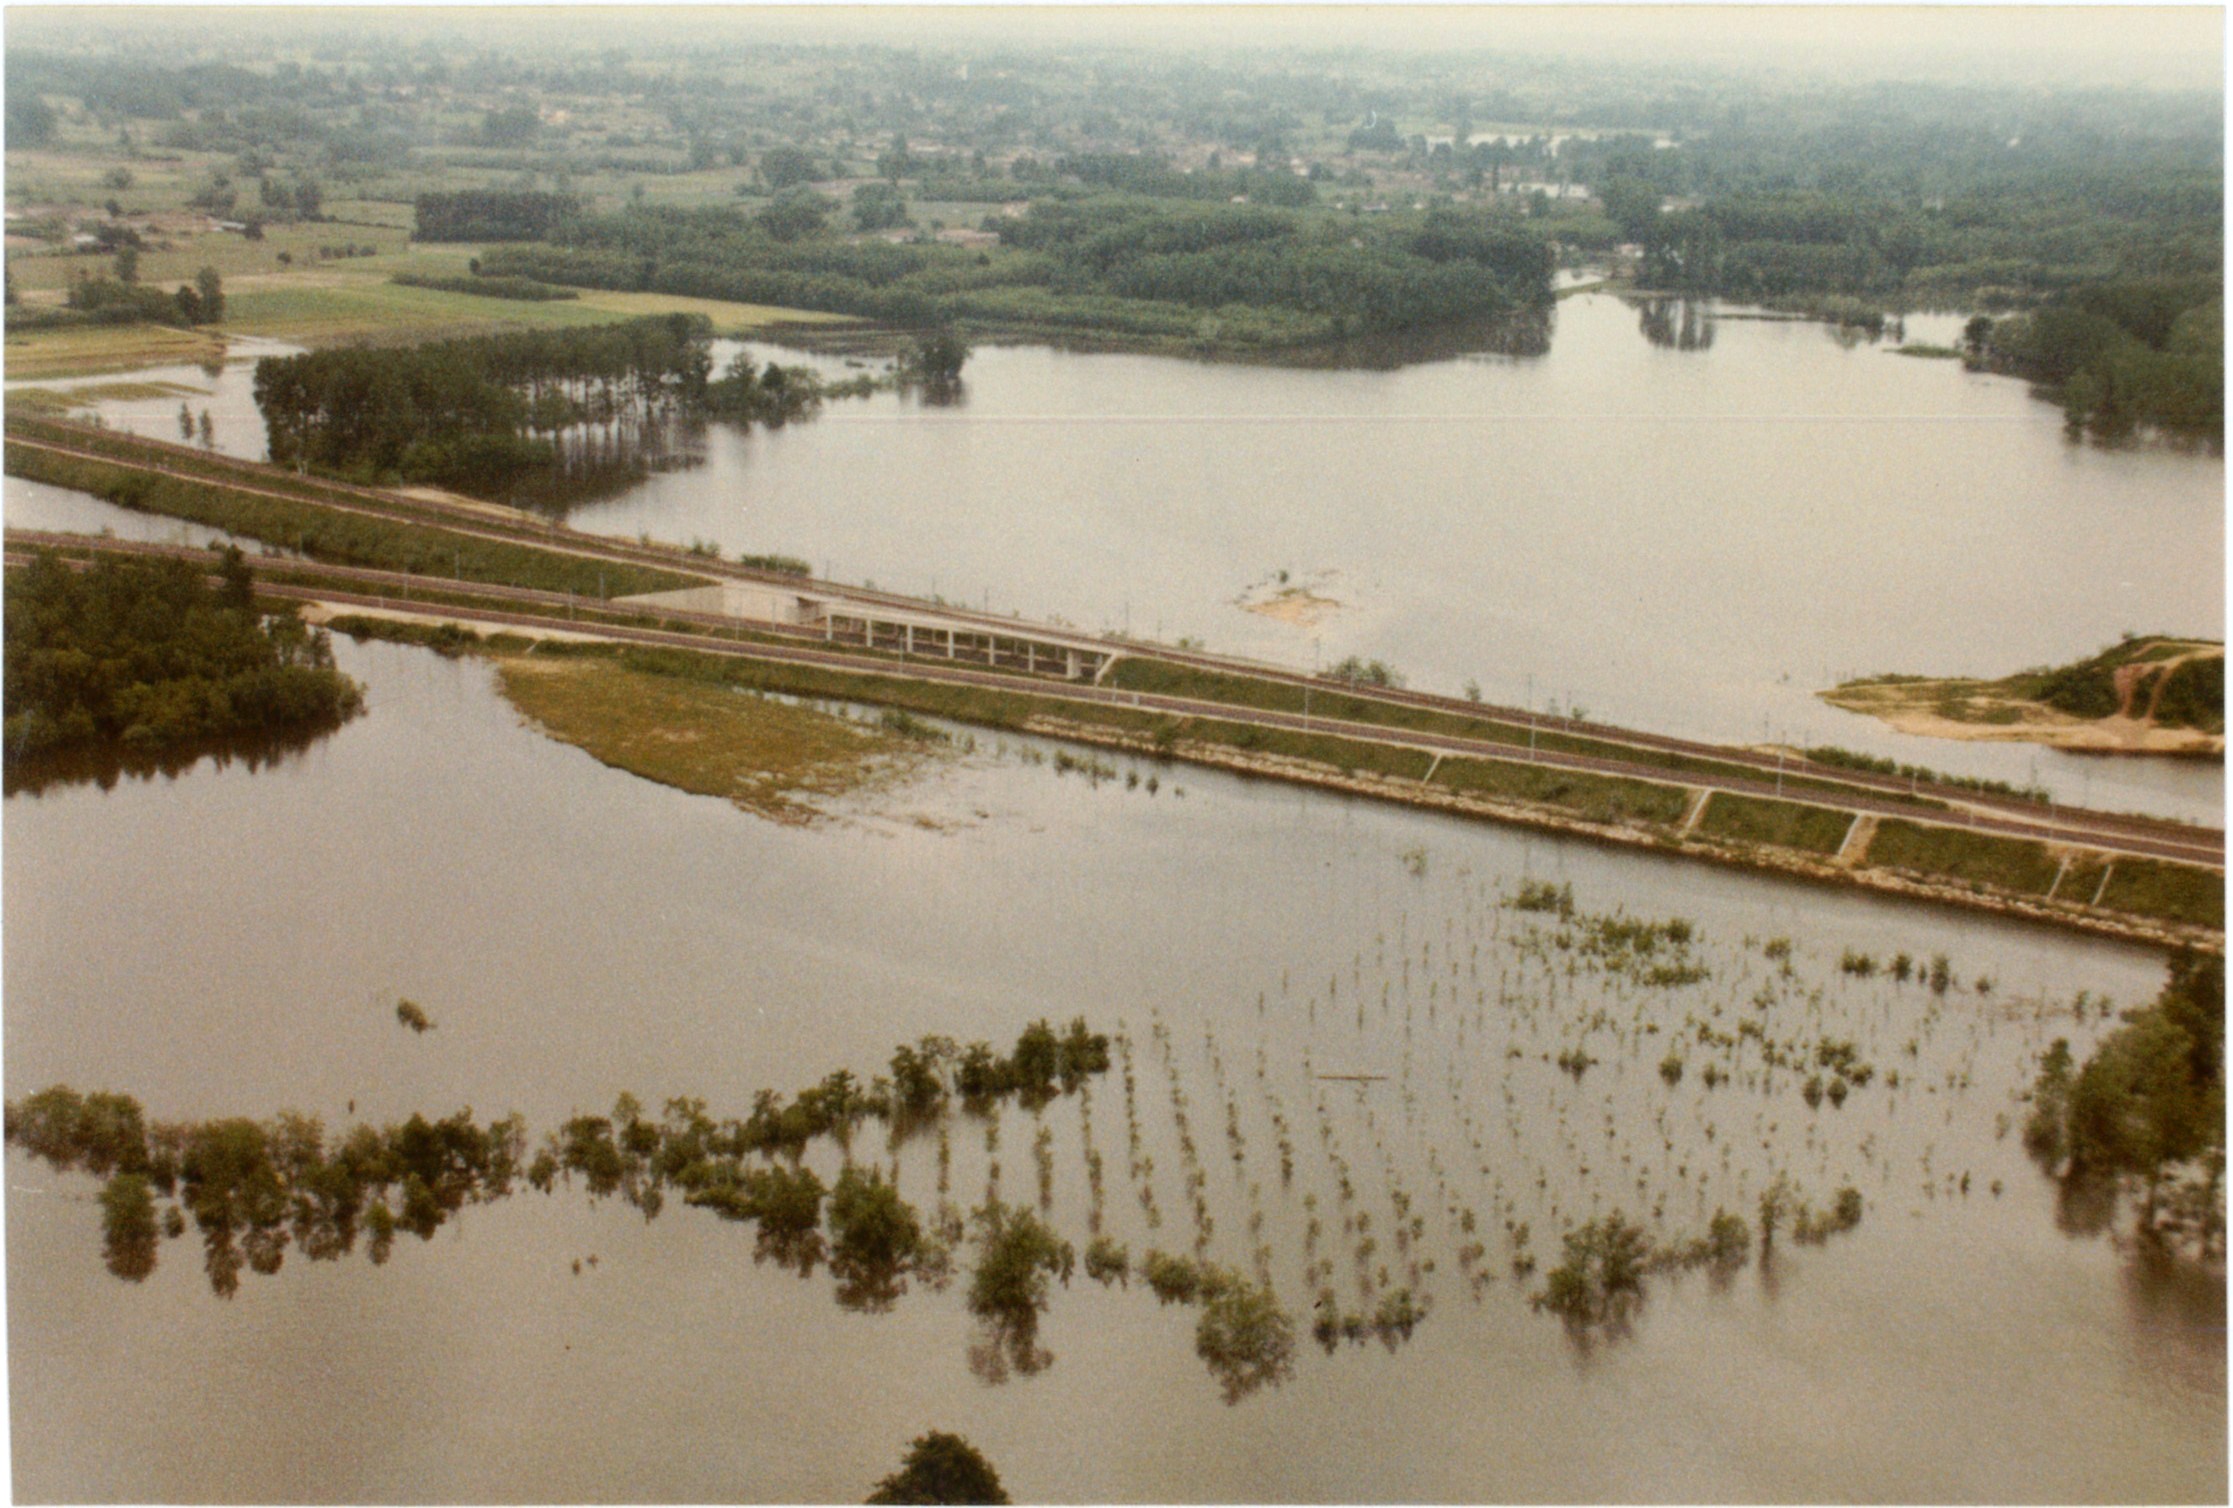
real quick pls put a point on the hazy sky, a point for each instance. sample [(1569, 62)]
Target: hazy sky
[(2177, 45), (2180, 46)]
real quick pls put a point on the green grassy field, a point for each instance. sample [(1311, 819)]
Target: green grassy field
[(232, 254), (368, 308), (350, 300), (764, 755), (109, 348)]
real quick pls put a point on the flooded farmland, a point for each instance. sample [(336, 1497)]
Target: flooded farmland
[(1358, 1051)]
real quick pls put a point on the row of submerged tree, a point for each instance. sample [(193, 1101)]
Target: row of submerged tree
[(252, 1187), (2153, 1084)]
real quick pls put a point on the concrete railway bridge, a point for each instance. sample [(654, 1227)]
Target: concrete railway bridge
[(1035, 648)]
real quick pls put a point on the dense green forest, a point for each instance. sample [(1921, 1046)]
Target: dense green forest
[(144, 654), (492, 214), (476, 413), (531, 414), (1921, 196), (2121, 356), (1223, 274)]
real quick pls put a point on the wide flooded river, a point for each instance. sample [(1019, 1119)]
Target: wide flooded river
[(1684, 526), (233, 942)]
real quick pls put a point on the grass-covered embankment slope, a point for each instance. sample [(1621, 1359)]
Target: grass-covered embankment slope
[(2149, 887), (1784, 824), (2021, 866), (2122, 884), (766, 756), (316, 528), (2151, 695)]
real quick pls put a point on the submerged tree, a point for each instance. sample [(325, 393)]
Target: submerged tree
[(936, 361), (2147, 1109), (1600, 1284), (876, 1242), (1244, 1336), (128, 1227), (1016, 1255)]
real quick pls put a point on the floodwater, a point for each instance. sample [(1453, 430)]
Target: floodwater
[(1679, 521), (220, 942), (60, 510)]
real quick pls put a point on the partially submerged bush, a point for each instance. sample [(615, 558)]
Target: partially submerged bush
[(1244, 1336), (1175, 1280), (1107, 1261), (1601, 1280), (1813, 1229), (1016, 1254)]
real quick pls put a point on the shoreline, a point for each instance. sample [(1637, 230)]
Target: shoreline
[(1967, 710)]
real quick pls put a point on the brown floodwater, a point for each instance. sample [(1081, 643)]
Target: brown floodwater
[(227, 941)]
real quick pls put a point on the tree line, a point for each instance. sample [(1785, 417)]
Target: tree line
[(1117, 264), (252, 1188), (476, 412), (2120, 356), (537, 414), (488, 214), (123, 300), (1151, 175)]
